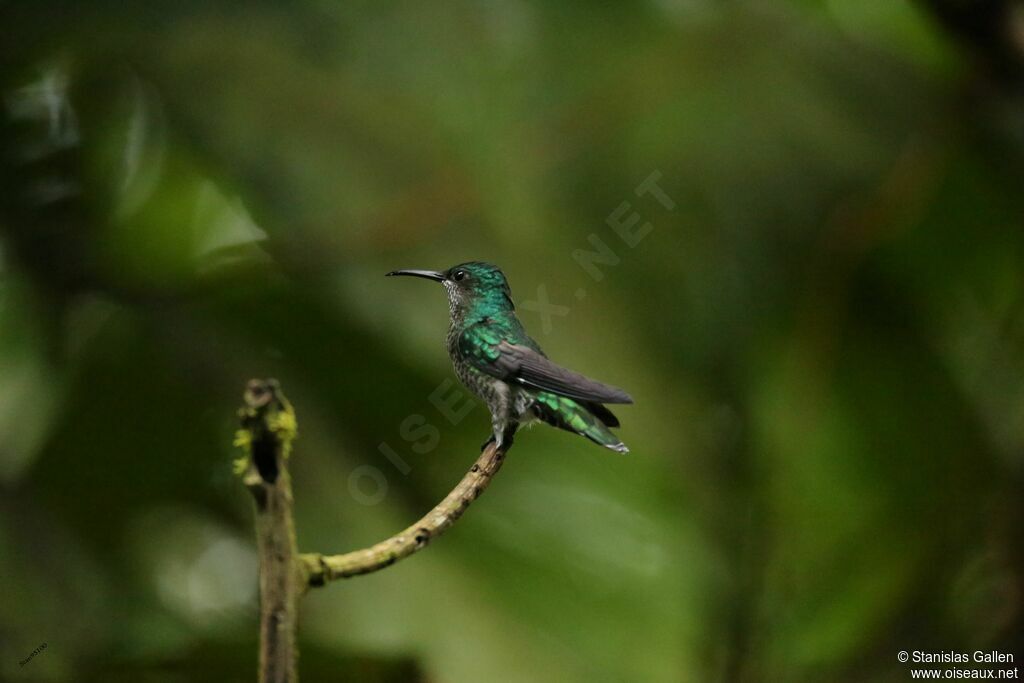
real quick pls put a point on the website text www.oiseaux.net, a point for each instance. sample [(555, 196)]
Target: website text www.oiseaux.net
[(964, 665)]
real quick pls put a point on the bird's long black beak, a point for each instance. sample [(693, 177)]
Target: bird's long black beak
[(428, 274)]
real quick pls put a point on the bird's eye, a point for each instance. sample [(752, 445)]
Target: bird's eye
[(459, 275)]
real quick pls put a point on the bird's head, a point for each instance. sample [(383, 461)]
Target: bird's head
[(469, 285)]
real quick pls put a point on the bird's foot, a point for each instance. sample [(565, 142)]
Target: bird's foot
[(508, 435), (504, 444)]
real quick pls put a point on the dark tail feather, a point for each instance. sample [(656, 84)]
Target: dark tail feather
[(572, 416), (603, 414)]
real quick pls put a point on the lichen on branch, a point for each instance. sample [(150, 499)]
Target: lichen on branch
[(268, 429)]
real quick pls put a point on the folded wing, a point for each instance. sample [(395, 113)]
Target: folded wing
[(519, 364)]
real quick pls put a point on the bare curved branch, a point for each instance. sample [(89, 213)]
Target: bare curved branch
[(324, 568)]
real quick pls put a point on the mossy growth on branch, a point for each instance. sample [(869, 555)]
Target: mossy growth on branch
[(269, 426)]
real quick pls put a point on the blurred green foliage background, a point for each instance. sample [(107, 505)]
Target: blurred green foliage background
[(823, 336)]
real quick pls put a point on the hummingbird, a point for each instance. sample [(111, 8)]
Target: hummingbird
[(498, 361)]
